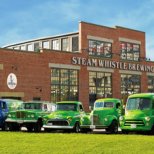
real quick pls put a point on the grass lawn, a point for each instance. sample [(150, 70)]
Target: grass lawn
[(63, 143)]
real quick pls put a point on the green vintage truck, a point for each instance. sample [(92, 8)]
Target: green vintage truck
[(30, 116), (139, 113), (105, 115), (66, 117)]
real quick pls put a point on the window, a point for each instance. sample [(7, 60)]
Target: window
[(3, 105), (80, 108), (32, 106), (100, 86), (66, 107), (65, 44), (45, 44), (75, 43), (130, 84), (55, 44), (99, 48), (64, 84), (130, 51), (29, 47), (16, 48), (45, 107), (23, 47), (36, 46), (104, 105), (150, 83), (138, 104)]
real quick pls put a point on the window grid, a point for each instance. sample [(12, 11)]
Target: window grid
[(45, 44), (150, 83), (64, 84), (65, 44), (55, 44), (75, 42), (130, 84), (100, 48), (130, 51), (100, 86)]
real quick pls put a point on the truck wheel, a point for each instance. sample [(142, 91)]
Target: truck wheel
[(14, 128), (4, 127), (29, 129), (124, 131), (113, 128), (152, 130), (77, 128), (38, 126)]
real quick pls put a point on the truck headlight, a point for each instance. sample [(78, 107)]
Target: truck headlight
[(105, 119), (69, 119), (121, 118), (32, 115), (147, 118), (9, 115)]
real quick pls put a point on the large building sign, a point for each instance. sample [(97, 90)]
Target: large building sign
[(11, 81), (111, 64)]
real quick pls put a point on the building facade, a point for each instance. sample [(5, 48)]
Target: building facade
[(95, 62)]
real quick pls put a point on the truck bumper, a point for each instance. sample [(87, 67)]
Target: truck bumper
[(135, 127), (58, 127), (20, 121), (94, 126), (138, 128)]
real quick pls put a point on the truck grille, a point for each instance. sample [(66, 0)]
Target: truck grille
[(132, 121), (95, 119), (58, 122), (20, 114)]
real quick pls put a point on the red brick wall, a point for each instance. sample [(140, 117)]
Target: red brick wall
[(30, 70), (114, 34), (33, 72)]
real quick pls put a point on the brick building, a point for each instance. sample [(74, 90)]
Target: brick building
[(95, 62)]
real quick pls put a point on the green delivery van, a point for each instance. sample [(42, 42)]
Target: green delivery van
[(139, 113)]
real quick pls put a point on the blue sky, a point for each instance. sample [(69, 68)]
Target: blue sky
[(24, 20)]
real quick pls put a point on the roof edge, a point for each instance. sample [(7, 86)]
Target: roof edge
[(41, 38)]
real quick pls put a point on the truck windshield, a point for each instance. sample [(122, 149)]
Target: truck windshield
[(67, 107), (14, 105), (32, 106), (104, 105), (138, 104)]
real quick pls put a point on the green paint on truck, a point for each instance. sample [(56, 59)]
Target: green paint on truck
[(139, 113), (105, 115), (31, 116), (66, 117)]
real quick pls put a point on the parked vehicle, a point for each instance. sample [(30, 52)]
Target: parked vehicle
[(30, 117), (7, 105), (105, 115), (139, 113), (66, 117)]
